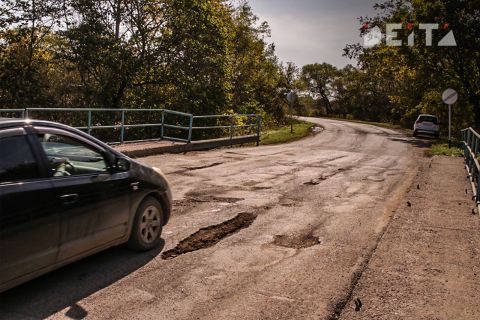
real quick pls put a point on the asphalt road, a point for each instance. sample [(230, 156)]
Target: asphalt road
[(320, 206)]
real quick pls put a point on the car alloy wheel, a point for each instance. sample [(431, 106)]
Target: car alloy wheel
[(147, 225), (150, 224)]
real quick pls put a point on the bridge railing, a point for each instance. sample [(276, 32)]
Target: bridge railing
[(471, 146), (169, 122)]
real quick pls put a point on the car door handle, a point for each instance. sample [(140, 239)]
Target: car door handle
[(135, 185), (69, 198)]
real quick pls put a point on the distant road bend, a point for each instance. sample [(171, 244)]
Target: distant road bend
[(309, 214)]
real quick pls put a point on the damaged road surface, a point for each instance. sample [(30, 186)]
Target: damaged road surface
[(276, 232)]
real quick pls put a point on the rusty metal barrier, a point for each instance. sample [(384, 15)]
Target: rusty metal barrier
[(471, 147), (87, 115)]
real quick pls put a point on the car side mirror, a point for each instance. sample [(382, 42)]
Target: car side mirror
[(110, 158), (122, 164)]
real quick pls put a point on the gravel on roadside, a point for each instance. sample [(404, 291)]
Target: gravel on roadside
[(427, 265)]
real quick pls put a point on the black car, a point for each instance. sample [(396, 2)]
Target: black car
[(65, 195)]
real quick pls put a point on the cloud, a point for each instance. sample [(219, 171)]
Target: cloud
[(308, 31)]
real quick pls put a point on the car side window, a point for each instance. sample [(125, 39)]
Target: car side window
[(17, 161), (69, 156)]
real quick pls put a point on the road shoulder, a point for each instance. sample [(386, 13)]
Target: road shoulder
[(427, 265)]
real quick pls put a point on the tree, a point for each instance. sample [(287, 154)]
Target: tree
[(199, 56), (257, 77), (24, 26), (414, 76), (319, 79)]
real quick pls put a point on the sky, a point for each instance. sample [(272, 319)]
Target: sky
[(309, 31)]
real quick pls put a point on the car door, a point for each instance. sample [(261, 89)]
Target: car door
[(94, 202), (29, 224)]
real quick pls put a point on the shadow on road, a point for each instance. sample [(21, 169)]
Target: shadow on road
[(63, 288), (416, 142)]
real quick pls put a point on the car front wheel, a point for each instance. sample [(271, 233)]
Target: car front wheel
[(147, 225)]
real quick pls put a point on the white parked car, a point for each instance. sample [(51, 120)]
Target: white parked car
[(426, 124)]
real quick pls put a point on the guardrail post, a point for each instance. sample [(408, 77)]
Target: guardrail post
[(465, 145), (467, 152), (474, 145), (473, 138), (231, 127), (190, 128), (89, 122), (259, 126), (471, 162), (122, 128), (25, 113), (163, 124)]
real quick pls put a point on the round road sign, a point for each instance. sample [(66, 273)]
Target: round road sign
[(450, 96), (291, 97)]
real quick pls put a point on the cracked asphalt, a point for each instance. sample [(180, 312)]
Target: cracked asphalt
[(332, 195)]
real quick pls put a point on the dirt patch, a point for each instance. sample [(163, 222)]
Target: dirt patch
[(210, 236), (296, 241)]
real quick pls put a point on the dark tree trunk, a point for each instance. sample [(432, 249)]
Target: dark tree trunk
[(475, 101), (118, 18), (328, 105), (117, 100)]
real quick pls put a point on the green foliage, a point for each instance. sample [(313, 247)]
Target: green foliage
[(283, 134), (413, 78), (442, 149), (396, 84), (198, 56), (319, 79)]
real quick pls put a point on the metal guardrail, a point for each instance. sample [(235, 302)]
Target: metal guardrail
[(163, 125), (471, 146)]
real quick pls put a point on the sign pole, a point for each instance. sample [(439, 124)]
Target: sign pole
[(291, 97), (449, 126), (291, 117), (450, 97)]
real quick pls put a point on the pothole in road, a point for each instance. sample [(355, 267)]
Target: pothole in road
[(210, 236), (215, 199), (375, 178), (296, 241), (323, 177), (290, 202), (262, 188), (186, 170), (204, 167)]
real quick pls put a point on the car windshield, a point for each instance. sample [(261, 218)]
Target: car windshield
[(428, 119)]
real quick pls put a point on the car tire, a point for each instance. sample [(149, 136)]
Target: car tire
[(147, 226)]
